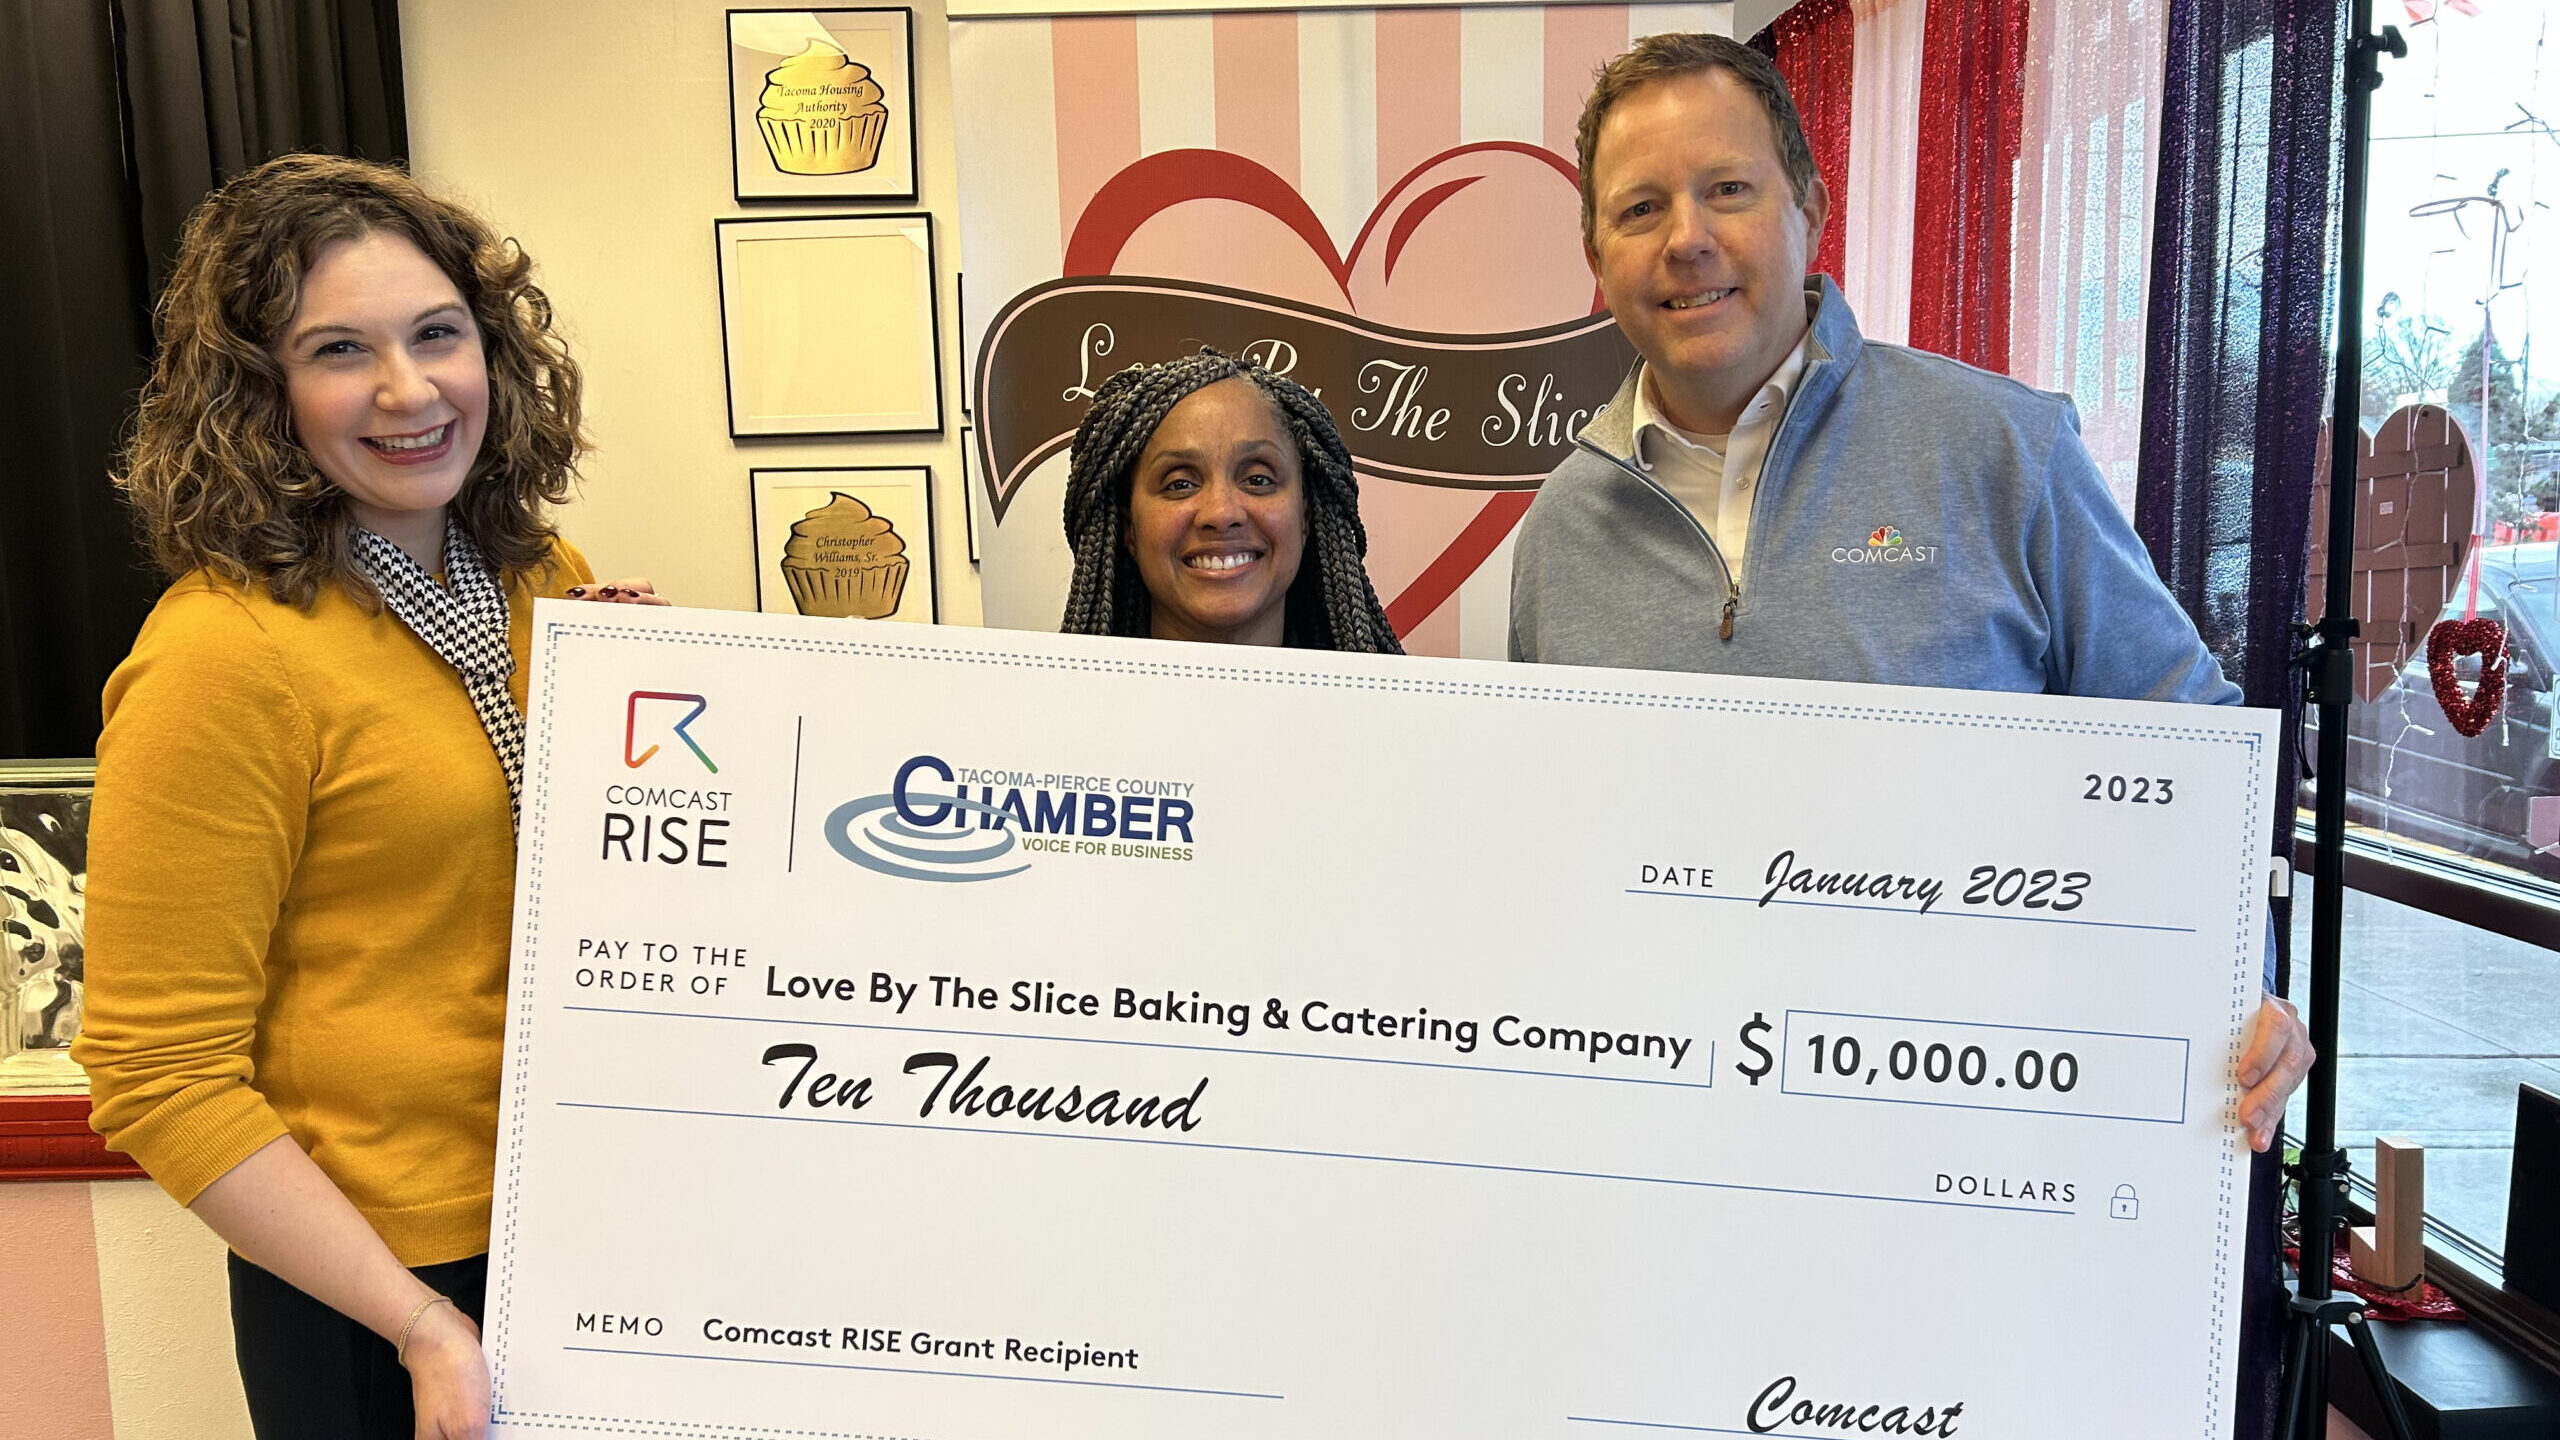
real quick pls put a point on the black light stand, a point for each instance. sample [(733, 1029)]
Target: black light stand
[(2314, 1311)]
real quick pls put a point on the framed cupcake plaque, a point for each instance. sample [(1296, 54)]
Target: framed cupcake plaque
[(850, 543), (822, 104)]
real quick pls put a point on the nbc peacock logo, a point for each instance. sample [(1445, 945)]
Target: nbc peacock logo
[(1885, 535)]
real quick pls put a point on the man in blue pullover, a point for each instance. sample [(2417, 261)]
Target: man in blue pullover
[(1771, 494)]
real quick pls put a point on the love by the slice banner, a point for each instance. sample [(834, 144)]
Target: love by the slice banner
[(1480, 412)]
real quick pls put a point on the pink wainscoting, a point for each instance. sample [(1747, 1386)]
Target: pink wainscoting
[(53, 1359)]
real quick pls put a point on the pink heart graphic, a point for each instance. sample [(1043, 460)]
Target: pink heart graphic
[(1482, 239)]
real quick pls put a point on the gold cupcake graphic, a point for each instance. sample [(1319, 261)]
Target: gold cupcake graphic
[(844, 562), (822, 114)]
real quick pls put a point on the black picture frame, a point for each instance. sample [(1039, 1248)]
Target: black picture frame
[(969, 485), (730, 232)]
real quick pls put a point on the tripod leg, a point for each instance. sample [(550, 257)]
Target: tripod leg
[(2292, 1422), (2371, 1350)]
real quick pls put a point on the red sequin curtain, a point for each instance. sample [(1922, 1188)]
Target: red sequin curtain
[(1812, 46), (1972, 86)]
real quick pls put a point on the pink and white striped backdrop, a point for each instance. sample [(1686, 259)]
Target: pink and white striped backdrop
[(1342, 105)]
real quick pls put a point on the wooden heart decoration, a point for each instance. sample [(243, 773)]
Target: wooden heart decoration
[(2415, 488), (2449, 641)]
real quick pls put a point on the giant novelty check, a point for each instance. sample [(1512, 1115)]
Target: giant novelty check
[(951, 1035)]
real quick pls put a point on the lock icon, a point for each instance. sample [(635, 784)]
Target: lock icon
[(2125, 1205)]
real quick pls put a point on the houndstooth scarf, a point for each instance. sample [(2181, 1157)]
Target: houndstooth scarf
[(465, 621)]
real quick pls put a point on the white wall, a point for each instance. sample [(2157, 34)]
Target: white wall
[(596, 132), (167, 1318), (1750, 17)]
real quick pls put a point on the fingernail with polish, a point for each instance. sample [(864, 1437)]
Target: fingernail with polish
[(577, 592)]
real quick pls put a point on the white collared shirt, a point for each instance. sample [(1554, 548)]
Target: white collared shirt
[(1715, 476)]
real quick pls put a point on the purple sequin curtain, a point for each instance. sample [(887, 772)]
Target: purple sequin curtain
[(2244, 245), (2237, 382)]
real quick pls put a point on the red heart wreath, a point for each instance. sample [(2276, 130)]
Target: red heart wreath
[(2452, 639)]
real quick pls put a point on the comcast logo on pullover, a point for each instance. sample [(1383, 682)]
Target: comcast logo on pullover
[(1885, 546)]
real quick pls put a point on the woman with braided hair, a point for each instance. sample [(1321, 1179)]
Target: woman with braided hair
[(1210, 499)]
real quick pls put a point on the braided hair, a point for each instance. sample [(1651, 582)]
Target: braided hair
[(1331, 604)]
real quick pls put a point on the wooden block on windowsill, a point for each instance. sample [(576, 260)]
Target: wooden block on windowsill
[(2391, 1252)]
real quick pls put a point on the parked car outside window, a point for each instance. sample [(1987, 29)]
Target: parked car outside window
[(2411, 774)]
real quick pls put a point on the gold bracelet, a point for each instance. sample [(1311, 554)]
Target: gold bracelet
[(402, 1351)]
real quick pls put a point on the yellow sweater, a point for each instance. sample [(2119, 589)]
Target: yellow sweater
[(301, 878)]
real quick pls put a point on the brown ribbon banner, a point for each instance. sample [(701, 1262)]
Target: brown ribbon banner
[(1476, 412)]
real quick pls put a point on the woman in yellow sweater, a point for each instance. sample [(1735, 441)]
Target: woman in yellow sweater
[(302, 850)]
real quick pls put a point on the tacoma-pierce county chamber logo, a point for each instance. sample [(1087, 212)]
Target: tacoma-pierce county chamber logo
[(929, 826), (1885, 546)]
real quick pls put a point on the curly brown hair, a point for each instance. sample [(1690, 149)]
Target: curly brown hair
[(213, 470)]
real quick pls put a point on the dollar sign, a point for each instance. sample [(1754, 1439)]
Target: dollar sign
[(1754, 1069)]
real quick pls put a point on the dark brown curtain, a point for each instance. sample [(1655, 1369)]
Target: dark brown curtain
[(116, 117), (74, 328), (215, 86)]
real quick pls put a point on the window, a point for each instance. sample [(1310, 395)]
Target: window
[(2451, 990), (2432, 1043)]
